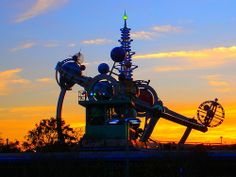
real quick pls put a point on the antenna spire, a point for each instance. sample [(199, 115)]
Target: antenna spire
[(126, 66), (125, 17)]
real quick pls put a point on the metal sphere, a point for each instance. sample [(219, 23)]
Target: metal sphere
[(102, 90), (210, 113), (68, 71), (103, 68), (117, 54), (72, 68)]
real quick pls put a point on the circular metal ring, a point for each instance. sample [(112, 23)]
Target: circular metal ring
[(101, 77)]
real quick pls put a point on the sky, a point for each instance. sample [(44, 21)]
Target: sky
[(187, 48)]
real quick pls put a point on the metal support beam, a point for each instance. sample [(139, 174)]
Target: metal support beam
[(58, 116), (182, 120), (185, 135), (149, 129)]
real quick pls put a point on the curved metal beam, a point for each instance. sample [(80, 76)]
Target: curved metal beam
[(61, 97)]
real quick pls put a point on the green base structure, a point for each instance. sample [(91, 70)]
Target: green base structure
[(104, 128), (107, 132)]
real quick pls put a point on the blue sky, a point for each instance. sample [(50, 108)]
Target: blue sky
[(187, 48)]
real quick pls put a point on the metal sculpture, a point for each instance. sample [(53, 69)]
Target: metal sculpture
[(115, 103), (211, 113)]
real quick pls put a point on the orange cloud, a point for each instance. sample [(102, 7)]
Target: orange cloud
[(44, 80), (9, 73), (195, 59), (168, 68), (41, 6), (10, 77), (178, 54), (20, 81), (218, 83), (29, 112), (219, 52)]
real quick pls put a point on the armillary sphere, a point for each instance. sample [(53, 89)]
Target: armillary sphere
[(210, 113)]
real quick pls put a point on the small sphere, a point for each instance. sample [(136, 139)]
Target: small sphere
[(117, 54), (103, 68)]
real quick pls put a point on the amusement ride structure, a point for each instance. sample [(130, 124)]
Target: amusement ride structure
[(116, 103)]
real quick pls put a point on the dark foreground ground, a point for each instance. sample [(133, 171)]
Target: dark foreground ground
[(120, 163)]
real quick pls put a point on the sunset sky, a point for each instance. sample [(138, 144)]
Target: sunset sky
[(187, 48)]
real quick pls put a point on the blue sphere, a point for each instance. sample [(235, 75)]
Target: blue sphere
[(102, 90), (103, 68), (69, 70), (118, 54)]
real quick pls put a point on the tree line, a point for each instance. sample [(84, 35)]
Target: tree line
[(44, 138)]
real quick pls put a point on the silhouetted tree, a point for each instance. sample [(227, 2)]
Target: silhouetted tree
[(44, 136), (1, 140), (10, 146)]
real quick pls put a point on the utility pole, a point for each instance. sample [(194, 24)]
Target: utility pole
[(221, 139)]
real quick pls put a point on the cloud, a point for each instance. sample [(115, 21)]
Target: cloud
[(40, 7), (194, 59), (9, 73), (168, 68), (218, 52), (167, 29), (142, 35), (97, 41), (176, 54), (218, 83), (23, 46), (11, 82), (10, 77), (20, 81), (51, 44), (44, 80), (46, 44), (155, 31)]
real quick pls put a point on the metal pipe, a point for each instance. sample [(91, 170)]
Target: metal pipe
[(149, 129), (58, 116), (185, 135), (180, 119)]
